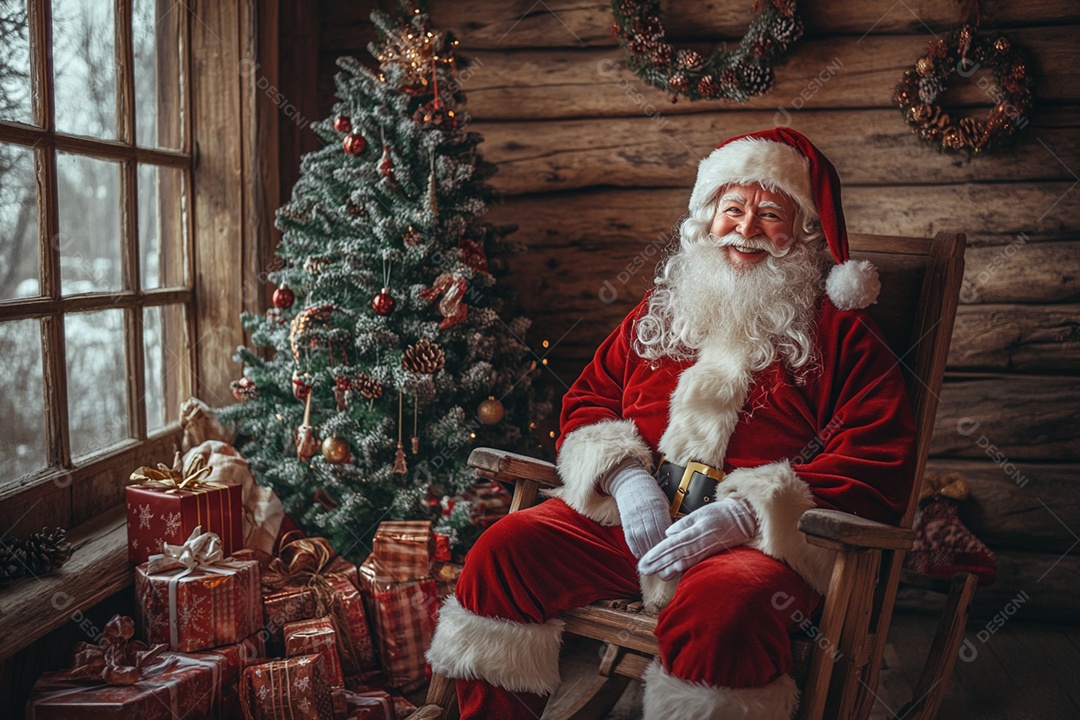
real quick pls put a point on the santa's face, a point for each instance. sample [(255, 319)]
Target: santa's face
[(759, 215)]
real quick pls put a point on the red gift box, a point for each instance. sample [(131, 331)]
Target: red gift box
[(174, 686), (308, 637), (359, 654), (403, 617), (282, 607), (237, 657), (169, 504), (488, 502), (205, 604), (406, 547), (295, 688), (370, 705)]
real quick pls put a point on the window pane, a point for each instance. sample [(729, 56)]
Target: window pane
[(18, 223), (15, 66), (89, 242), (168, 370), (97, 391), (22, 449), (85, 67), (162, 248), (156, 35)]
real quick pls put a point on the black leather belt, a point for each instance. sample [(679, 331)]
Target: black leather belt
[(688, 488)]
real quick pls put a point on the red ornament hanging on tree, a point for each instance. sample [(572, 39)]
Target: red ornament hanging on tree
[(354, 144), (383, 303), (386, 167), (243, 389), (342, 124), (451, 306), (283, 298)]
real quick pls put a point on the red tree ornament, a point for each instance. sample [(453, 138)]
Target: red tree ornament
[(284, 298), (342, 124), (383, 303), (354, 144)]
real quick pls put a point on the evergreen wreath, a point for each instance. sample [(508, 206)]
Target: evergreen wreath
[(963, 52), (734, 75)]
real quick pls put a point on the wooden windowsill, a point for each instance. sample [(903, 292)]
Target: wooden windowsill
[(33, 607)]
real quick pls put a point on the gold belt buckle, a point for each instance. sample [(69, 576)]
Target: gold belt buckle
[(684, 484)]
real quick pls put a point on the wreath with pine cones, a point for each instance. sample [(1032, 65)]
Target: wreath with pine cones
[(963, 52), (733, 75)]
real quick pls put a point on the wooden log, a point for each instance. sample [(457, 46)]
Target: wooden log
[(563, 23), (1030, 587), (599, 216), (868, 147), (1008, 418), (1019, 506), (1023, 272), (1022, 338), (824, 72)]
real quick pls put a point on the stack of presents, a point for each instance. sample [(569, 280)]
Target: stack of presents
[(240, 618)]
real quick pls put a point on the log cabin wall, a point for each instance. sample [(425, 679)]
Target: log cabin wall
[(596, 169)]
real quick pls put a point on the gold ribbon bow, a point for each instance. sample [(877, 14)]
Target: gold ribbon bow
[(118, 660), (298, 560), (176, 478)]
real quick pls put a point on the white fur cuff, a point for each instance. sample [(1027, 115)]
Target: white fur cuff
[(520, 657), (779, 499), (666, 696), (589, 453)]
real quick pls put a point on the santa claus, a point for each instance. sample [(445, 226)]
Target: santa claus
[(748, 386)]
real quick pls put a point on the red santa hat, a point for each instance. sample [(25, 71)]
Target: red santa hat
[(784, 160)]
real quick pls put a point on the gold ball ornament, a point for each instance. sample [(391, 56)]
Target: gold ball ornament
[(490, 411), (335, 449)]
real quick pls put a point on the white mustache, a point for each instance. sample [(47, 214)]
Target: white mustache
[(758, 242)]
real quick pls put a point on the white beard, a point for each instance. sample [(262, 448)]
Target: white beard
[(761, 312)]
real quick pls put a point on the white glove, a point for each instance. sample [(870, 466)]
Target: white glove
[(644, 508), (709, 530)]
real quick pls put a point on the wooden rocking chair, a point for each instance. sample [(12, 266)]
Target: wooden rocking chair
[(920, 286)]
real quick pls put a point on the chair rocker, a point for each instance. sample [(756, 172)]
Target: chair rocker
[(837, 663)]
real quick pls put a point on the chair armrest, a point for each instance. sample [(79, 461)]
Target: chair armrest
[(510, 467), (855, 531)]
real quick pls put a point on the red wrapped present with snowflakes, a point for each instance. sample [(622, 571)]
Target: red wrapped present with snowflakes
[(165, 504), (192, 598)]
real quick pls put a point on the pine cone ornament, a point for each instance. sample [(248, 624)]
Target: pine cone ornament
[(785, 7), (971, 133), (423, 358), (40, 553), (935, 124), (729, 81), (367, 386), (689, 59), (930, 89), (757, 80), (708, 87), (787, 29), (678, 83)]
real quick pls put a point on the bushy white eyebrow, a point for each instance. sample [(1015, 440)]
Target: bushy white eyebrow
[(742, 201)]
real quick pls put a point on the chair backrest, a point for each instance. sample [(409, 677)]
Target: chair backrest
[(920, 286)]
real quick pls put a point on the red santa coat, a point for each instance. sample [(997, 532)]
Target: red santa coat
[(844, 438)]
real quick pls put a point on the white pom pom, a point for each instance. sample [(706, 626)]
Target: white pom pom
[(853, 285)]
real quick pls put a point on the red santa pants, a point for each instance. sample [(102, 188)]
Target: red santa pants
[(727, 626)]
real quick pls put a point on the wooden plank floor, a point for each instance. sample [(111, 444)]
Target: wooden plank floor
[(1021, 672)]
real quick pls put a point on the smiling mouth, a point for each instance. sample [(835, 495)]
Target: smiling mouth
[(748, 250)]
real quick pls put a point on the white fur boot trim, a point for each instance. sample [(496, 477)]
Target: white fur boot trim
[(586, 455), (520, 657), (666, 696)]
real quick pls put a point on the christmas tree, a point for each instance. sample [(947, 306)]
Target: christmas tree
[(386, 356)]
